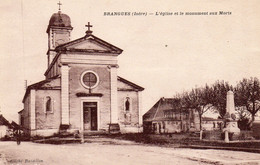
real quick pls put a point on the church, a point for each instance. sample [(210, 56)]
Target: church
[(81, 91)]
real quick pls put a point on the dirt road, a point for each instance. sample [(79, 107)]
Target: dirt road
[(99, 153)]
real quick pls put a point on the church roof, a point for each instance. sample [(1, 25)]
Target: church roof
[(72, 46), (20, 111), (137, 87), (59, 20), (41, 85)]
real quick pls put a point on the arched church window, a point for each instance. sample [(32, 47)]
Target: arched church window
[(48, 104), (48, 107), (127, 108), (127, 104), (89, 79)]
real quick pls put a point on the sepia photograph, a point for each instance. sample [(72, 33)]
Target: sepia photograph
[(132, 82)]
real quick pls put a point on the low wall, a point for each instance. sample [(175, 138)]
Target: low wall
[(44, 132), (219, 135), (256, 129), (130, 129)]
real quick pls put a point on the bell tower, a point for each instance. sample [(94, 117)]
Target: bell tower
[(58, 30)]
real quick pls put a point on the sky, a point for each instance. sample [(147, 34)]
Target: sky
[(164, 54)]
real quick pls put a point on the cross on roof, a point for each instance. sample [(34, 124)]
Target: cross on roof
[(59, 5), (89, 26)]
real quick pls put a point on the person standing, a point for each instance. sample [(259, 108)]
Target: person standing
[(18, 136)]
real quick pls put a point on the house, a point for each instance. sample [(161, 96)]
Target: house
[(81, 91), (5, 127), (168, 116)]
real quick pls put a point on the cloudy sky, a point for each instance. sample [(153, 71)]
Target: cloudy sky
[(164, 54)]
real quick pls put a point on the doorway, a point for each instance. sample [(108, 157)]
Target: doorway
[(90, 116)]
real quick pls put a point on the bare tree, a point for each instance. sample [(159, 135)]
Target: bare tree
[(198, 99)]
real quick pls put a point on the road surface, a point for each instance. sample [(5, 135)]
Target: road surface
[(116, 152)]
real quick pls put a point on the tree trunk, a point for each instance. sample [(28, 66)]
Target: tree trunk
[(253, 119), (200, 116)]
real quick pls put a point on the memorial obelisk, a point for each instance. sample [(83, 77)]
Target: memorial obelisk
[(230, 117)]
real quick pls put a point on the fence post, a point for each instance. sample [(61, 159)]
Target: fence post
[(201, 132), (226, 136)]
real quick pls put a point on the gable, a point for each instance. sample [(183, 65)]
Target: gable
[(89, 44), (165, 104), (121, 86), (125, 85), (157, 111), (53, 83)]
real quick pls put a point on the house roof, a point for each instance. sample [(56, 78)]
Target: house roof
[(3, 121), (149, 115), (137, 87), (157, 111), (15, 125)]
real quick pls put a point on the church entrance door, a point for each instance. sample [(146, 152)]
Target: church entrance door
[(90, 116)]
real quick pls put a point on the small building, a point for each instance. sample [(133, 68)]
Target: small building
[(5, 127), (168, 116)]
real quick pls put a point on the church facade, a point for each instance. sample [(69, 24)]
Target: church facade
[(82, 90)]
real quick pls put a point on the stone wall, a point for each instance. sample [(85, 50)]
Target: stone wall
[(131, 117), (47, 120), (26, 116), (172, 126), (3, 130)]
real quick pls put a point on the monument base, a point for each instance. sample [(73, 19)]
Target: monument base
[(231, 126), (232, 131)]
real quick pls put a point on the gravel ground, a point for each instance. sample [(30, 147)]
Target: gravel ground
[(117, 152)]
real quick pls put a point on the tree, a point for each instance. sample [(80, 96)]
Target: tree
[(247, 94), (243, 118), (198, 99), (242, 112), (219, 97)]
